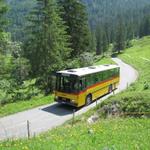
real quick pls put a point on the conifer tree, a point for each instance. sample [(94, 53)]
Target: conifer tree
[(99, 48), (105, 43), (92, 47), (3, 22), (102, 41), (76, 19), (3, 10), (120, 42), (47, 44), (145, 26)]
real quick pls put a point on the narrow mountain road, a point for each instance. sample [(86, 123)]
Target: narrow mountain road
[(47, 117)]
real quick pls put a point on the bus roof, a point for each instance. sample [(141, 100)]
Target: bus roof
[(87, 70)]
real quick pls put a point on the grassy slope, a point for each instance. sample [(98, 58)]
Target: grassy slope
[(104, 60), (139, 57), (136, 98), (24, 105), (34, 102), (127, 133), (113, 134)]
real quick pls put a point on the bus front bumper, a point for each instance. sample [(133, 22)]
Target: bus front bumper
[(62, 100)]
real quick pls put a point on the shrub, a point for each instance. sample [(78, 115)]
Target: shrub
[(132, 103), (86, 59)]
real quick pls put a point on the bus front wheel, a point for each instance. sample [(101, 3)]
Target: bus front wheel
[(88, 100)]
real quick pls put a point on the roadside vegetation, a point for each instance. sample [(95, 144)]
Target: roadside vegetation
[(19, 106), (114, 130), (105, 134), (136, 99)]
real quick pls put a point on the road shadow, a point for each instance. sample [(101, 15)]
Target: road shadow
[(60, 109), (63, 109), (115, 54)]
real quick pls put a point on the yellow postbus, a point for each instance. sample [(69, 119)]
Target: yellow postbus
[(81, 86)]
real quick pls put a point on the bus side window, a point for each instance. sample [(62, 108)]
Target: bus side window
[(102, 76), (92, 79), (116, 71), (82, 83), (111, 73), (108, 74), (89, 81), (105, 75), (96, 77), (99, 76)]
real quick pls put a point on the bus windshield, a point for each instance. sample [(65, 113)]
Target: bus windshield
[(68, 84)]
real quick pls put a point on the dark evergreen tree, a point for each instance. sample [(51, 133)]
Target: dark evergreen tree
[(3, 10), (105, 11), (120, 41), (3, 22), (105, 43), (47, 43), (76, 19), (99, 48), (102, 40), (130, 31), (145, 26), (18, 10), (92, 47)]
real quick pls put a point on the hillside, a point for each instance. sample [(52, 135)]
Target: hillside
[(136, 98), (105, 134), (18, 11), (108, 10), (111, 133), (99, 11)]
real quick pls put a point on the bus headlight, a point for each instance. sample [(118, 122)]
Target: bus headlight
[(73, 101)]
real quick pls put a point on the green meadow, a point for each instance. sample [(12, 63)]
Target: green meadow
[(12, 108), (112, 134)]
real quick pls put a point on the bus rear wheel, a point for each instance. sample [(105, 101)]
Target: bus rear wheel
[(88, 100)]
